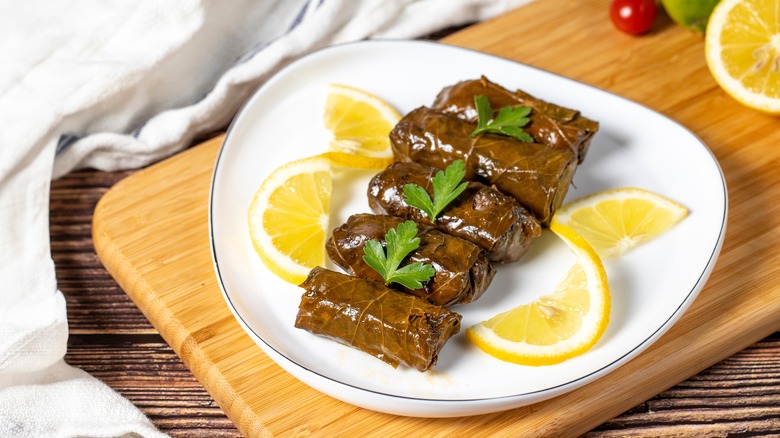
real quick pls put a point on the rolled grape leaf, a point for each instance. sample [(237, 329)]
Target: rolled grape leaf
[(550, 124), (463, 272), (481, 214), (395, 327), (537, 176)]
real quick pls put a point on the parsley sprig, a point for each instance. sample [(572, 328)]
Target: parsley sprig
[(446, 187), (400, 242), (509, 120)]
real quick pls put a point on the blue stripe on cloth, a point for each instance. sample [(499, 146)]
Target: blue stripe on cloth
[(258, 47), (64, 141), (299, 17)]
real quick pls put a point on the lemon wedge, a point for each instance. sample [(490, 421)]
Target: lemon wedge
[(613, 221), (557, 326), (742, 47), (359, 121)]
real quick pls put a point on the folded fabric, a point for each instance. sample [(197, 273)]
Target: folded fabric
[(112, 84)]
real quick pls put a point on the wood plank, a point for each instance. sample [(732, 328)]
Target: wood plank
[(147, 372), (109, 336), (736, 396), (154, 242), (95, 303)]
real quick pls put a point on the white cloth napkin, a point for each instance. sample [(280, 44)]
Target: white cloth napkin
[(113, 84)]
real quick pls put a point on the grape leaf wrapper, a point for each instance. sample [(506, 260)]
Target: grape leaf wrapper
[(536, 175), (392, 326), (459, 270), (550, 124), (481, 214)]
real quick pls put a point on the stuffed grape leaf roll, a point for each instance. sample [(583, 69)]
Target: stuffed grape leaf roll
[(537, 176), (550, 124), (481, 214), (395, 327), (463, 272)]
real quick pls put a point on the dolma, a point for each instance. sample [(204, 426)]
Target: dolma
[(481, 214), (395, 327), (549, 124), (537, 176), (463, 272)]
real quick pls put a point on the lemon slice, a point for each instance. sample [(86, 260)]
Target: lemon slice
[(743, 51), (359, 121), (557, 326), (347, 161), (613, 221), (288, 217), (289, 214)]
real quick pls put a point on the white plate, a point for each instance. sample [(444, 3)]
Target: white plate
[(651, 286)]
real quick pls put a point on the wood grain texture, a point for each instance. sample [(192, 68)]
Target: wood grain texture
[(148, 373), (154, 242), (105, 330), (109, 337), (95, 304)]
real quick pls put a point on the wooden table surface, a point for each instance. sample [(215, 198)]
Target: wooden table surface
[(111, 339)]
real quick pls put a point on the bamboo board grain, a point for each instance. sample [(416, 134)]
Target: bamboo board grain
[(150, 232)]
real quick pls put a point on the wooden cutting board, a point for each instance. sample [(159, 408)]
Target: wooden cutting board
[(150, 231)]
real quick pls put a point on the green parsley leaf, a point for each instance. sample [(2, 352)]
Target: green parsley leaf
[(375, 257), (417, 196), (412, 275), (508, 121), (447, 186), (400, 242)]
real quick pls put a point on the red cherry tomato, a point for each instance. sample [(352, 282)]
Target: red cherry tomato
[(633, 16)]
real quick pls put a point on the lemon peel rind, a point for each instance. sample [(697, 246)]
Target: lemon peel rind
[(597, 275), (523, 353), (277, 262), (533, 355)]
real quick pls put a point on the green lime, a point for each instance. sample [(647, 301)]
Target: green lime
[(692, 14)]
